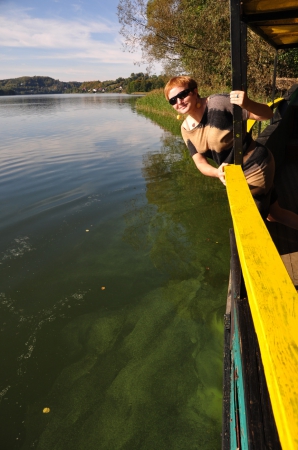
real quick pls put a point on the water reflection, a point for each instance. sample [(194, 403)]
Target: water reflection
[(20, 105), (182, 213)]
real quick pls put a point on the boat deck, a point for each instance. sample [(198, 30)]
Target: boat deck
[(281, 137), (284, 238)]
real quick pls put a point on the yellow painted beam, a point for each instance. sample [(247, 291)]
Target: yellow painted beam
[(251, 122), (273, 302)]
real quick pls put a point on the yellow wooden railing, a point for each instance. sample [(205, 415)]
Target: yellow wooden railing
[(273, 302), (251, 122)]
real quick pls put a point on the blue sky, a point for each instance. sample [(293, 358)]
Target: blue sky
[(68, 40)]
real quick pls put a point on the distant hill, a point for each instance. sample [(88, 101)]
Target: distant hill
[(138, 82), (36, 85)]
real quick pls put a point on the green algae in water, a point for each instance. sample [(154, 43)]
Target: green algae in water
[(146, 377)]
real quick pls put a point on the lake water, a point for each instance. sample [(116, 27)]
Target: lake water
[(114, 260)]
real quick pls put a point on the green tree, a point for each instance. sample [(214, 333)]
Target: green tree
[(193, 36), (288, 63)]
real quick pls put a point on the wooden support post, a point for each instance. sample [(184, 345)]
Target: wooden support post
[(274, 82), (239, 68)]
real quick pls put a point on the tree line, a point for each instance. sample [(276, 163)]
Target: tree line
[(137, 82)]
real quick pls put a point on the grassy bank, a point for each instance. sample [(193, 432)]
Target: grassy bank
[(156, 108), (155, 102)]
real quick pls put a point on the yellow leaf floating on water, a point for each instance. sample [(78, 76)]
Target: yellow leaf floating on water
[(87, 231), (102, 288), (46, 410)]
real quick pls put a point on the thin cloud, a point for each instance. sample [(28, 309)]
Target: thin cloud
[(63, 39), (25, 31), (76, 7)]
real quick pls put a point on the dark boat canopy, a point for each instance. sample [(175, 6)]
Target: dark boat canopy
[(275, 20)]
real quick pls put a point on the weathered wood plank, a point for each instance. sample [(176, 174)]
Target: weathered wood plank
[(286, 184), (290, 261), (274, 306)]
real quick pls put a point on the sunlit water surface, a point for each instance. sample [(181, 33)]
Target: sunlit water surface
[(114, 262)]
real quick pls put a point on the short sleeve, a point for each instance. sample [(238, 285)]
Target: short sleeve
[(192, 149)]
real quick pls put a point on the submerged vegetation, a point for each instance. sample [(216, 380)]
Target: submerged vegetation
[(123, 387)]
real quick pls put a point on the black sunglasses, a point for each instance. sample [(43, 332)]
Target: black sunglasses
[(181, 95)]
